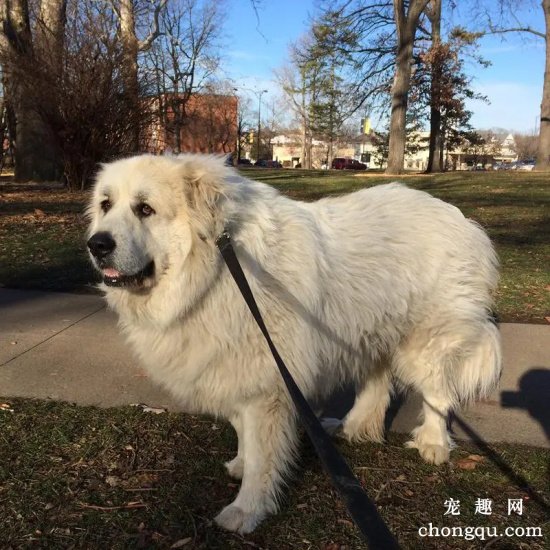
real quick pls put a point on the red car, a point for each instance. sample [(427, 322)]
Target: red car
[(340, 163)]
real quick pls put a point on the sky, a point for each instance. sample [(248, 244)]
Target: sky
[(257, 44)]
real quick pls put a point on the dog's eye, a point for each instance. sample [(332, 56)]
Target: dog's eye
[(106, 205), (144, 210)]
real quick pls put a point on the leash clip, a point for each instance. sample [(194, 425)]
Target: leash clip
[(223, 240)]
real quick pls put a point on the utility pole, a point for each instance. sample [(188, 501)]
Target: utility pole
[(259, 94)]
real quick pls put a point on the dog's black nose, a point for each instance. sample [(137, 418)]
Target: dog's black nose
[(101, 244)]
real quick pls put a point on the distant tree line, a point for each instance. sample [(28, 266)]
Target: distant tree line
[(396, 58)]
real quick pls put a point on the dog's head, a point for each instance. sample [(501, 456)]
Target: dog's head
[(148, 213)]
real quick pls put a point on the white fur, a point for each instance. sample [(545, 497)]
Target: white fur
[(385, 284)]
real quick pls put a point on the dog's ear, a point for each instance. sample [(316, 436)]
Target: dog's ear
[(203, 180), (203, 185)]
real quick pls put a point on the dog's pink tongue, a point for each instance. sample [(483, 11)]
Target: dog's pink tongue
[(111, 273)]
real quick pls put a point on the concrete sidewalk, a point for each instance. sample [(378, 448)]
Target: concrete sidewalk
[(67, 347)]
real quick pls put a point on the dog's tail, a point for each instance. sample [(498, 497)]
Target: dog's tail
[(478, 374)]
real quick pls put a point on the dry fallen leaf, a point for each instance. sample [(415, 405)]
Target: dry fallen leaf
[(476, 458), (465, 464), (147, 409), (470, 462)]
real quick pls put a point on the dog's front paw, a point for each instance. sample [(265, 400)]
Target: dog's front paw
[(233, 518), (235, 467), (432, 452)]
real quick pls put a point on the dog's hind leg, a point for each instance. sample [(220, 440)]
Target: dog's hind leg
[(270, 435), (235, 467), (431, 438), (448, 364), (365, 421), (423, 366)]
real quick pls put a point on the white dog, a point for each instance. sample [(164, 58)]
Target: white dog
[(383, 285)]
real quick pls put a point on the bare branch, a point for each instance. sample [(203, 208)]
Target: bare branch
[(496, 30), (145, 44)]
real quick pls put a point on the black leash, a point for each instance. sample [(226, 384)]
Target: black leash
[(361, 508)]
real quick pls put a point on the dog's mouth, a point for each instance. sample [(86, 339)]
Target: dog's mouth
[(113, 277)]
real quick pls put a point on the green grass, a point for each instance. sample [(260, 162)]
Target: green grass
[(46, 249), (81, 477), (42, 239)]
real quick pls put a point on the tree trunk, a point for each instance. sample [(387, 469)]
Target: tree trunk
[(543, 156), (443, 134), (50, 32), (49, 42), (303, 161), (35, 157), (400, 90), (406, 22), (435, 151), (330, 152), (130, 48)]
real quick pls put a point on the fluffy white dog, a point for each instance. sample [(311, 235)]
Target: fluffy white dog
[(383, 285)]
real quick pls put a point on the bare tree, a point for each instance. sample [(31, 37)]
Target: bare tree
[(297, 82), (407, 15), (183, 60), (526, 146), (83, 103), (506, 20), (213, 119), (131, 46), (316, 83), (243, 114), (50, 32)]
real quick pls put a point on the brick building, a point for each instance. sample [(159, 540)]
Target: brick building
[(206, 123)]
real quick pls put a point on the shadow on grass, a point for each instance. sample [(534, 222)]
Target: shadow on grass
[(71, 274), (29, 207), (523, 232)]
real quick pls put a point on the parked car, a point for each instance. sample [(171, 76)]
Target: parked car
[(356, 165), (340, 163), (244, 162), (504, 166), (262, 163), (527, 165)]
